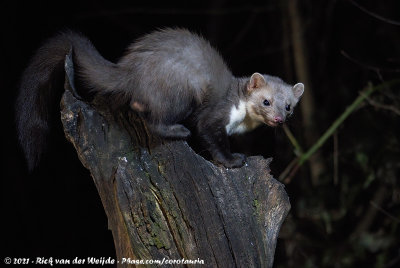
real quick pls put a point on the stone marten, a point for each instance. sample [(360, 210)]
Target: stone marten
[(169, 76)]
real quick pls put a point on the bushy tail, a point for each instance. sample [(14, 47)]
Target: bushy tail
[(38, 92)]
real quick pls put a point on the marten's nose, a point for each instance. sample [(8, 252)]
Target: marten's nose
[(278, 119)]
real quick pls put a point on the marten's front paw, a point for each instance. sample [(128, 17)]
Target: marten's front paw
[(236, 161)]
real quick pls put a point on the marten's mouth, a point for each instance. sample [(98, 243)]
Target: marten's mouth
[(271, 123)]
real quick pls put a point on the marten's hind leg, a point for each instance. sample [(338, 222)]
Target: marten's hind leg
[(163, 129), (175, 131)]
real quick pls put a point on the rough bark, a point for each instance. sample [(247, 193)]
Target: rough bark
[(163, 200)]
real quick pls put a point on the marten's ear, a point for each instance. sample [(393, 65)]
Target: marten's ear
[(256, 81), (298, 90)]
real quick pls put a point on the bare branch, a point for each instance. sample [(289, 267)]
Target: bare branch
[(376, 16), (383, 106), (368, 66), (335, 158), (178, 11), (375, 205)]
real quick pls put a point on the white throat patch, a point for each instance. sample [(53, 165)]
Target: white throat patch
[(236, 117)]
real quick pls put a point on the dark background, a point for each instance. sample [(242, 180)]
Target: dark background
[(55, 211)]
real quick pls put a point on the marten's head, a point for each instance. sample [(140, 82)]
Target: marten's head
[(270, 100)]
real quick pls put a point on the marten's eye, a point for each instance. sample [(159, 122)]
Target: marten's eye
[(288, 107), (266, 103)]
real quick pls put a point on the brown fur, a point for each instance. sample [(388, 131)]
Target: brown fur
[(170, 76)]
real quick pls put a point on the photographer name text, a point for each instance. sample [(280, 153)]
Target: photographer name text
[(96, 261)]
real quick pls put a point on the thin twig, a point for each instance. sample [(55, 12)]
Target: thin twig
[(179, 11), (368, 66), (394, 261), (383, 106), (369, 214), (376, 16), (293, 172), (335, 158), (242, 33), (289, 167), (298, 150), (375, 205)]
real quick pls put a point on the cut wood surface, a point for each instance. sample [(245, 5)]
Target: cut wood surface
[(164, 201)]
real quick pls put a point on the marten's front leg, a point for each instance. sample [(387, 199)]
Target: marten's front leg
[(215, 138)]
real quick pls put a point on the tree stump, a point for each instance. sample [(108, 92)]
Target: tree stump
[(164, 201)]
